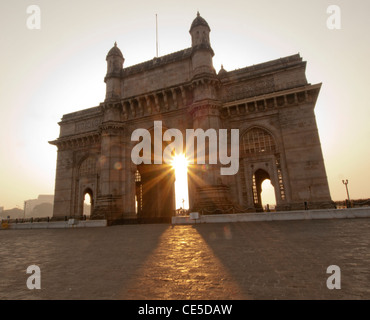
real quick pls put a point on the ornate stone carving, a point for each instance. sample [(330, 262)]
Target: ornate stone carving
[(111, 128), (79, 141), (88, 125)]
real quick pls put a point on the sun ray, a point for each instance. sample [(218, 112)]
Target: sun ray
[(180, 164)]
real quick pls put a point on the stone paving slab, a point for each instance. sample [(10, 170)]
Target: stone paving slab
[(254, 260)]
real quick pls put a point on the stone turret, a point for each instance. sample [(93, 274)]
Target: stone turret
[(211, 193), (115, 62), (199, 31), (202, 50)]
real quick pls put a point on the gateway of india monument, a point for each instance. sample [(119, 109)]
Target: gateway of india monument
[(271, 104)]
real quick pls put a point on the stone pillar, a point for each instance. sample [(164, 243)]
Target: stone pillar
[(109, 203), (212, 195), (303, 155), (63, 184)]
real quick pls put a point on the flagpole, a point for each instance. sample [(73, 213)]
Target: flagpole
[(156, 35)]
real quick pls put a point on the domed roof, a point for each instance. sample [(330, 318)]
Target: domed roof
[(115, 51), (222, 71), (199, 21)]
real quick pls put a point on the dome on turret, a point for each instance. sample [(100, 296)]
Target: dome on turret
[(115, 51), (199, 21), (222, 71), (115, 62)]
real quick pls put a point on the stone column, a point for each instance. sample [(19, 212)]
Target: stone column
[(109, 202), (212, 195), (63, 183)]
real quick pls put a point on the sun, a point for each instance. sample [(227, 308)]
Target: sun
[(180, 164)]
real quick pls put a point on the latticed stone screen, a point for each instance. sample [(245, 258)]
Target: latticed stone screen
[(88, 166), (258, 140)]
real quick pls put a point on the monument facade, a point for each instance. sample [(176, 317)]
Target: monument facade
[(271, 104)]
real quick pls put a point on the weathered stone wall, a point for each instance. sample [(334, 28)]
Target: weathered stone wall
[(157, 78), (303, 155), (269, 77), (81, 122)]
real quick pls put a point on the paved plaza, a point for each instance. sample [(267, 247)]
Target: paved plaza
[(250, 260)]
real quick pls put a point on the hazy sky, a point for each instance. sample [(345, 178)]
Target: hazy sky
[(61, 67)]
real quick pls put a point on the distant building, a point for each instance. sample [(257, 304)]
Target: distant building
[(14, 213), (1, 209), (41, 199)]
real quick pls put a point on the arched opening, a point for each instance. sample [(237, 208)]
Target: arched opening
[(87, 178), (87, 203), (259, 146), (180, 164), (268, 198), (261, 180), (155, 190)]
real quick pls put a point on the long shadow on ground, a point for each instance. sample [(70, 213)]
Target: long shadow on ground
[(289, 259)]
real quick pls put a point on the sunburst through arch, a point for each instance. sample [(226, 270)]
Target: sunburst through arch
[(180, 165)]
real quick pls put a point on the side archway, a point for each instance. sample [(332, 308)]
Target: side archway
[(260, 161), (155, 188), (88, 202), (86, 186), (259, 177)]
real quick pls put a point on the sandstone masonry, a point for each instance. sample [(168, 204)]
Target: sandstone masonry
[(271, 104)]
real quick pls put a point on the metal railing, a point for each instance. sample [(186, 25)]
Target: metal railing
[(48, 219)]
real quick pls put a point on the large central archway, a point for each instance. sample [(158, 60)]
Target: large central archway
[(155, 193), (155, 190)]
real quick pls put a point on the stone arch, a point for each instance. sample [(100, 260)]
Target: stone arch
[(259, 160), (90, 192), (87, 182), (154, 188), (259, 176)]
